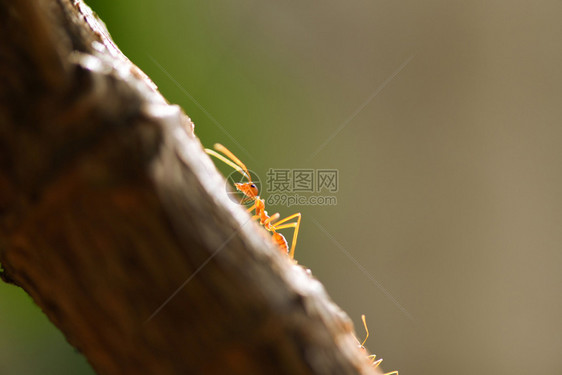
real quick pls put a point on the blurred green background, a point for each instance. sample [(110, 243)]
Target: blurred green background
[(444, 120)]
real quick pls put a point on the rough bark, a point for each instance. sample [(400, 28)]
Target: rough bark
[(116, 222)]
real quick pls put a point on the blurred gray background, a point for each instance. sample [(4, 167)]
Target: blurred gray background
[(444, 120)]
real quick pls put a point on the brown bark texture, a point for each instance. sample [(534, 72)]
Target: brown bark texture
[(117, 223)]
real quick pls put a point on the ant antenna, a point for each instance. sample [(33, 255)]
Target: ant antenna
[(227, 152), (240, 167), (366, 329)]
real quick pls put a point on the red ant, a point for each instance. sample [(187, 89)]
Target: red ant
[(372, 357), (250, 191)]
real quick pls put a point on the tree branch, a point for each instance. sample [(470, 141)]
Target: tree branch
[(116, 222)]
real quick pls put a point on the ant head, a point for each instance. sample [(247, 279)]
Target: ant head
[(249, 189)]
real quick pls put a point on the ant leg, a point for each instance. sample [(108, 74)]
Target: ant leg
[(376, 364), (295, 225), (271, 218), (392, 373), (252, 207)]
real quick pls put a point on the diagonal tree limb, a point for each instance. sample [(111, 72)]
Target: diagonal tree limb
[(115, 221)]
